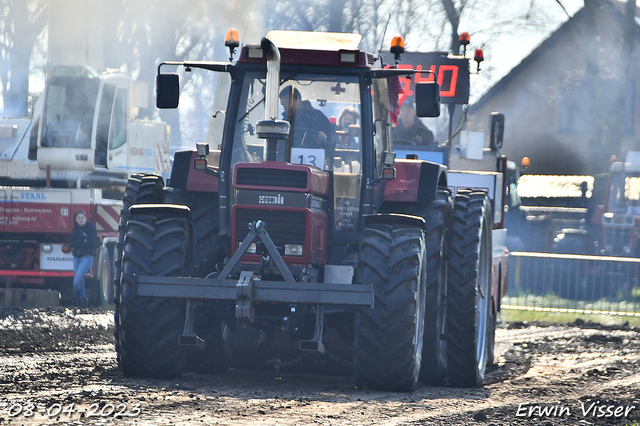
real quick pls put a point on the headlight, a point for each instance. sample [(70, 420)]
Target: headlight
[(293, 249), (46, 248)]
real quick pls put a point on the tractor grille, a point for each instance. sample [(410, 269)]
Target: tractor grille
[(276, 178), (284, 227), (618, 238)]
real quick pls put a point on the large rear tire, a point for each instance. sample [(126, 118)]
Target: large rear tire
[(434, 356), (469, 289), (388, 338), (141, 188), (149, 327), (204, 216)]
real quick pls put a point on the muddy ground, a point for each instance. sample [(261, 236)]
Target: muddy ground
[(59, 367)]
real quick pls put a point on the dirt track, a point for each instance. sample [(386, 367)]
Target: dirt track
[(59, 367)]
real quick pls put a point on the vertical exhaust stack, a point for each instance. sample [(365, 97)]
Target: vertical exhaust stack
[(271, 128), (273, 78)]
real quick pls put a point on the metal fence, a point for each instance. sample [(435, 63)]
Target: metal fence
[(573, 283)]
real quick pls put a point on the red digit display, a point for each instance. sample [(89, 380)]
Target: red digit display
[(452, 72), (452, 79)]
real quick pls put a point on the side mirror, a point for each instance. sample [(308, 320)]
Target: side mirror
[(167, 90), (427, 99), (496, 129)]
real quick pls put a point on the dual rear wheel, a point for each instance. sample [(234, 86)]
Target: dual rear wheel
[(469, 324), (419, 327), (388, 337)]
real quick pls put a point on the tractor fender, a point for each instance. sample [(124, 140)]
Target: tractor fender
[(394, 218), (173, 210), (416, 181)]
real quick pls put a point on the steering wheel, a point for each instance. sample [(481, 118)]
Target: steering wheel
[(306, 136), (242, 154)]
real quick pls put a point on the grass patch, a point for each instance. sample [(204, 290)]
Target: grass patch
[(553, 301), (515, 315)]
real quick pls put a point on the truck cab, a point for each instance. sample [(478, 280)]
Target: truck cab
[(83, 116), (83, 133), (88, 125)]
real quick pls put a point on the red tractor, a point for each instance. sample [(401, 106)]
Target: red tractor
[(284, 240)]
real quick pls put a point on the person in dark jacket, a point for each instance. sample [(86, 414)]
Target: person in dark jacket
[(410, 128), (310, 126), (83, 246)]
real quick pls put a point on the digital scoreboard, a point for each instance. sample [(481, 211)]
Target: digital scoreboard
[(452, 74)]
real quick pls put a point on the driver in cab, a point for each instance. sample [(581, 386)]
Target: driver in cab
[(410, 129), (310, 126)]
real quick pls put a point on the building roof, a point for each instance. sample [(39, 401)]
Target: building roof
[(617, 10)]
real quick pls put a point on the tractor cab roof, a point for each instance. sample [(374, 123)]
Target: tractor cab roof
[(313, 40), (313, 48)]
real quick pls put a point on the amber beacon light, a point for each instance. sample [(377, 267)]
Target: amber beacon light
[(397, 47), (232, 41)]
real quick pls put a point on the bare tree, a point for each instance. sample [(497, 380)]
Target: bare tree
[(366, 17), (303, 15), (336, 15), (453, 13), (156, 30), (138, 34), (21, 22)]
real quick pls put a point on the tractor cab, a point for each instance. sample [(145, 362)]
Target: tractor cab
[(315, 138), (322, 113), (301, 219)]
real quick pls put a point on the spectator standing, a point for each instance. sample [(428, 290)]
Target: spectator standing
[(83, 243)]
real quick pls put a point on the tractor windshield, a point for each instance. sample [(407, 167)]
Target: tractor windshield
[(324, 113)]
